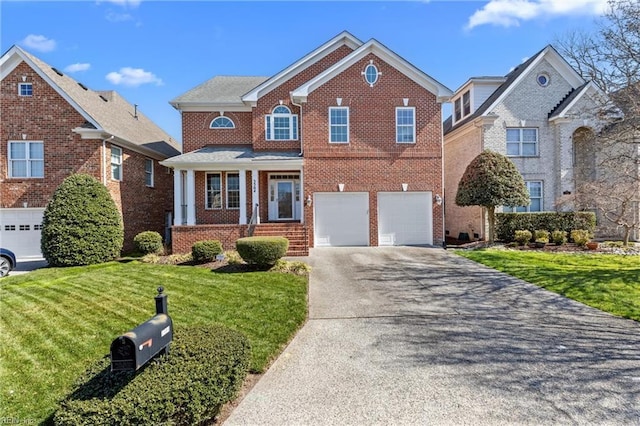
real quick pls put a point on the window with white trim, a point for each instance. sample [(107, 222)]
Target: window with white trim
[(281, 125), (26, 159), (25, 89), (371, 74), (339, 124), (405, 125), (462, 106), (535, 198), (233, 190), (116, 163), (522, 142), (148, 172), (214, 191), (222, 122)]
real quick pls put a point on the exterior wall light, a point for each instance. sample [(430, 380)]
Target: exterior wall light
[(438, 200), (308, 201)]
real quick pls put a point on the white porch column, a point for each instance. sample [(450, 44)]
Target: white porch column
[(191, 197), (242, 181), (177, 197), (303, 198), (255, 192)]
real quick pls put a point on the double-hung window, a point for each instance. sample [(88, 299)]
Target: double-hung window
[(26, 159), (535, 198), (522, 142), (281, 125), (148, 172), (214, 191), (339, 124), (116, 163), (405, 125), (233, 191)]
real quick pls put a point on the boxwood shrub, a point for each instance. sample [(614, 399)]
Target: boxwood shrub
[(508, 223), (148, 242), (206, 251), (205, 369), (262, 251)]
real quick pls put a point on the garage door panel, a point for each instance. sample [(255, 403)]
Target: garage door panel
[(20, 231), (341, 219), (405, 218)]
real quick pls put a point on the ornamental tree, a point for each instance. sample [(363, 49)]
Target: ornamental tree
[(81, 225), (491, 180)]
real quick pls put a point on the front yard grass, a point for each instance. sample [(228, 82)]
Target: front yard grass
[(55, 322), (607, 282)]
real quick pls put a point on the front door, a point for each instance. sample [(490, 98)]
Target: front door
[(283, 200)]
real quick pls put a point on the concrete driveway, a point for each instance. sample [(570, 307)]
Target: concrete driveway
[(406, 336)]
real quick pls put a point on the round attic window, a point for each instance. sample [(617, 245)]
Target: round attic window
[(371, 74), (543, 79)]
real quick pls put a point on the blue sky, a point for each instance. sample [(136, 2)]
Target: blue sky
[(152, 51)]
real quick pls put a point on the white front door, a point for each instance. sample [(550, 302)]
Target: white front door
[(284, 200)]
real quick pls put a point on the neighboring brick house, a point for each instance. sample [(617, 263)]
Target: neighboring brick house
[(52, 127), (342, 148), (540, 115)]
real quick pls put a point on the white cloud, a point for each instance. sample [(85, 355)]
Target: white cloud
[(77, 67), (39, 43), (133, 77), (508, 13), (118, 17), (126, 3)]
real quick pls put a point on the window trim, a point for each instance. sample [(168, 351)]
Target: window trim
[(120, 177), (207, 192), (462, 109), (521, 142), (149, 173), (527, 209), (366, 74), (228, 191), (413, 126), (27, 159), (331, 125), (219, 119), (269, 124), (29, 85)]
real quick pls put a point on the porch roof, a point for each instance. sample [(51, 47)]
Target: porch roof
[(217, 158)]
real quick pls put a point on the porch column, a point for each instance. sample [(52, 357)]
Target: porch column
[(243, 196), (177, 197), (255, 193), (191, 197)]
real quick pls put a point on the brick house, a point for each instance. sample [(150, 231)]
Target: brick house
[(542, 115), (341, 148), (53, 126)]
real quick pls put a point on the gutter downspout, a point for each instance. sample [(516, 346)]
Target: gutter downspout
[(104, 159)]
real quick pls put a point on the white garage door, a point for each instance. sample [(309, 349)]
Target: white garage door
[(405, 218), (341, 219), (20, 231)]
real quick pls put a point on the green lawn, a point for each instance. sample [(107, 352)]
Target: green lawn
[(55, 322), (608, 282)]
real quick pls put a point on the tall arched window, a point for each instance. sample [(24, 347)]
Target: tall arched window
[(281, 124), (222, 122)]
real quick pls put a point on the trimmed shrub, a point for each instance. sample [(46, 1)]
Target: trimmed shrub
[(296, 268), (233, 258), (148, 242), (580, 236), (508, 223), (206, 251), (522, 236), (559, 237), (205, 369), (262, 251), (541, 236), (81, 224)]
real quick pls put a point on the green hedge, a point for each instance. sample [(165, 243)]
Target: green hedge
[(148, 242), (206, 251), (205, 369), (262, 251), (508, 223)]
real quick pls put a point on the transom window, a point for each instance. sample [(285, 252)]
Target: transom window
[(222, 123), (26, 159), (535, 197), (148, 172), (405, 125), (214, 191), (116, 163), (25, 89), (233, 190), (371, 74), (339, 124), (522, 142), (281, 124)]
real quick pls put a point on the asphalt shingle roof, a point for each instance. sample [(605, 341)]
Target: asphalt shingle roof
[(240, 154), (220, 89)]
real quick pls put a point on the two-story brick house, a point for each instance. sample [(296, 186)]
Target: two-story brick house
[(542, 115), (341, 148), (53, 126)]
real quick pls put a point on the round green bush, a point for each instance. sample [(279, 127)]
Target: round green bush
[(522, 236), (148, 242), (205, 368), (262, 251), (81, 224), (206, 251)]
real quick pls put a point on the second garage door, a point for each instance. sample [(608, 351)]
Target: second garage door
[(341, 219), (20, 231), (405, 218)]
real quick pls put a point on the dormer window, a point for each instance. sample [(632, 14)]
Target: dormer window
[(25, 89), (462, 106), (222, 122), (281, 125)]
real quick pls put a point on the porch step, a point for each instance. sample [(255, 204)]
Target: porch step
[(296, 233)]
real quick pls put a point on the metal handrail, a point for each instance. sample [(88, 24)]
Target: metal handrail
[(252, 223)]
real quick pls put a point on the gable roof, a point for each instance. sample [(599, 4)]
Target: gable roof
[(106, 112), (220, 90), (375, 47)]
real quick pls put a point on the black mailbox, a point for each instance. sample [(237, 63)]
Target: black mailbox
[(135, 348)]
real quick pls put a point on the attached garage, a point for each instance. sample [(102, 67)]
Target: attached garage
[(405, 218), (341, 219), (20, 231)]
